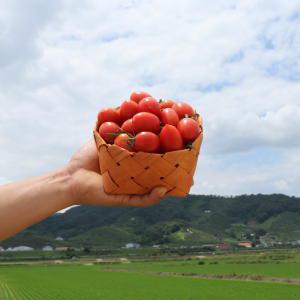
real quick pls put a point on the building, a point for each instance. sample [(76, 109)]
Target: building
[(224, 246), (124, 260), (47, 248), (59, 238), (1, 249), (20, 248), (61, 249), (58, 262), (246, 244), (132, 246)]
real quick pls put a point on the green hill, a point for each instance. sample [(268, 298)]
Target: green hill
[(193, 220)]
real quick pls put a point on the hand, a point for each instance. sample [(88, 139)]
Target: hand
[(87, 185)]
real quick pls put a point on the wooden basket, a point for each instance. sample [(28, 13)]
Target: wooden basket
[(127, 172)]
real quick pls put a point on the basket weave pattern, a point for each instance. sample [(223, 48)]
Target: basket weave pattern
[(125, 172)]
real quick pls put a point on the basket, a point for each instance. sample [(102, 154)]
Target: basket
[(125, 172)]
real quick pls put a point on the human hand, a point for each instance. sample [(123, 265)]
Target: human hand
[(87, 185)]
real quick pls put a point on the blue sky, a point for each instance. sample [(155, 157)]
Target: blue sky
[(236, 61)]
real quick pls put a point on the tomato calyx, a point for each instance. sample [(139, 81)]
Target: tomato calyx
[(130, 142), (120, 132), (196, 116), (189, 145)]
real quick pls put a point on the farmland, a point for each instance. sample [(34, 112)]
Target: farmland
[(256, 275), (285, 270), (89, 282), (275, 263)]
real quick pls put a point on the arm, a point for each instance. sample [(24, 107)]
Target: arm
[(27, 202)]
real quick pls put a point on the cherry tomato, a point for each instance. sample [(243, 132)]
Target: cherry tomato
[(183, 109), (170, 138), (128, 109), (108, 115), (124, 141), (166, 103), (128, 127), (150, 105), (145, 121), (108, 131), (138, 96), (169, 116), (189, 129), (146, 142)]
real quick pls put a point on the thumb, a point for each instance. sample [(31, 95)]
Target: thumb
[(155, 196), (141, 200), (159, 191)]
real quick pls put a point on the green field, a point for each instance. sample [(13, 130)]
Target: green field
[(282, 270), (90, 282)]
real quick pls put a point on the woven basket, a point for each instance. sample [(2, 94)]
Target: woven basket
[(127, 172)]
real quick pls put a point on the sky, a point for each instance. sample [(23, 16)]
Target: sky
[(237, 62)]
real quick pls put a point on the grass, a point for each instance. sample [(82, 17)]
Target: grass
[(89, 282)]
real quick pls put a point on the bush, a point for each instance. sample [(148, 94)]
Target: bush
[(200, 262)]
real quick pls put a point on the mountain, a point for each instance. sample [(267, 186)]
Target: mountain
[(193, 220)]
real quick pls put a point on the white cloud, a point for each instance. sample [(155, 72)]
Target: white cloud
[(236, 61)]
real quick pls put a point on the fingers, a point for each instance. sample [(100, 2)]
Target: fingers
[(143, 200)]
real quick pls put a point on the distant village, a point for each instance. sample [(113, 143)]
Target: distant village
[(264, 242)]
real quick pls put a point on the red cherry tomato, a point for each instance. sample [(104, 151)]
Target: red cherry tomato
[(147, 142), (189, 129), (145, 121), (108, 131), (138, 96), (166, 103), (183, 109), (150, 105), (108, 115), (169, 116), (128, 109), (124, 141), (170, 138), (128, 127)]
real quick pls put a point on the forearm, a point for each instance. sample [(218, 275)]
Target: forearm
[(27, 202)]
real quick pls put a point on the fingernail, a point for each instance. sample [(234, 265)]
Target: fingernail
[(161, 191)]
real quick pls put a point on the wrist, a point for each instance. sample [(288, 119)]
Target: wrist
[(75, 183), (63, 180)]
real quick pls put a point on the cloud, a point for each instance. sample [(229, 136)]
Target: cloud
[(237, 62), (230, 132), (262, 170), (21, 25)]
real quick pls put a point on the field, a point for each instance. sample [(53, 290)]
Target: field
[(284, 270), (89, 282), (271, 275)]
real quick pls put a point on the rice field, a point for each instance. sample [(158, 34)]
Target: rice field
[(279, 270), (64, 282)]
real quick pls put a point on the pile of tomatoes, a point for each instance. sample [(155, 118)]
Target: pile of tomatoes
[(145, 124)]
